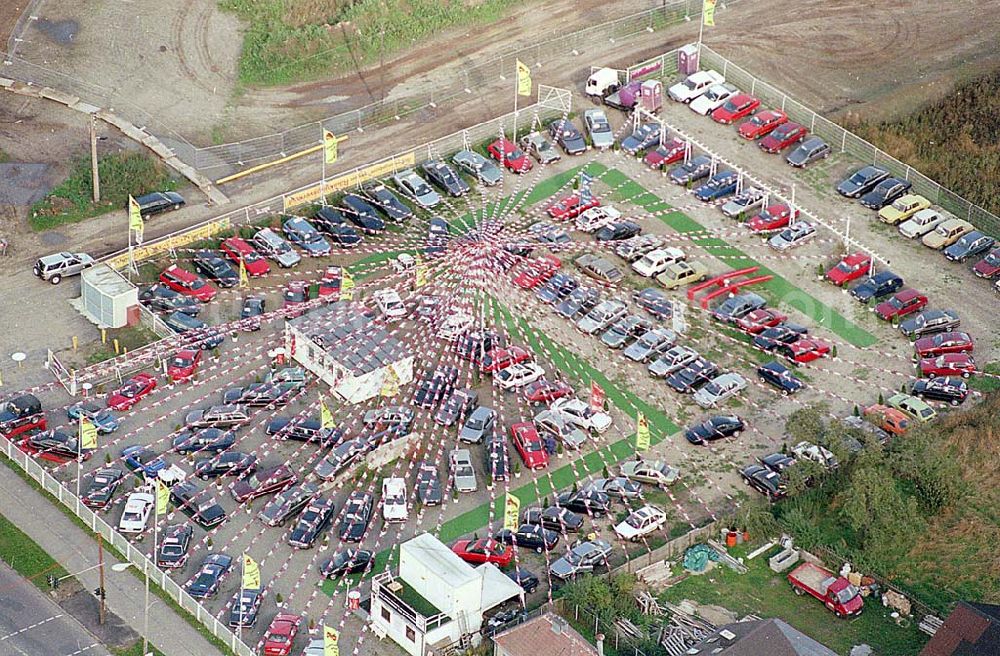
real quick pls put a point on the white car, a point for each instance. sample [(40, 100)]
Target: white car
[(719, 389), (695, 85), (714, 98), (599, 128), (920, 223), (641, 523), (794, 235), (403, 262), (656, 262), (462, 471), (416, 188), (518, 375), (596, 218), (454, 325), (138, 507), (818, 454), (390, 304), (394, 507), (580, 413)]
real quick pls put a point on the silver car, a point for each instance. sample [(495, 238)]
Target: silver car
[(56, 267), (478, 166), (416, 188), (745, 201), (560, 429), (809, 151), (462, 471), (274, 246), (655, 472), (719, 389), (540, 148), (478, 426), (599, 128), (601, 317), (582, 558), (794, 235)]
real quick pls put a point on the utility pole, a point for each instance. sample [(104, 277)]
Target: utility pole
[(93, 163), (100, 565)]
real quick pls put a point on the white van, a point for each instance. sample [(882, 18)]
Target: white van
[(394, 508)]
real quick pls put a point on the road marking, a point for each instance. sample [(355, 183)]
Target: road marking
[(29, 627)]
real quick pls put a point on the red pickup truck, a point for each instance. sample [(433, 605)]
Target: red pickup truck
[(834, 591)]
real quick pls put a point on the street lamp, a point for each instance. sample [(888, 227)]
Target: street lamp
[(121, 567)]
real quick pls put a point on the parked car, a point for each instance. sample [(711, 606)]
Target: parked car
[(836, 592), (484, 550), (569, 138), (885, 193), (479, 426), (941, 343), (484, 170), (989, 266), (412, 185), (851, 267), (536, 145), (585, 502), (197, 504), (675, 359), (947, 233), (302, 233), (346, 561), (968, 245), (715, 428), (509, 155), (736, 307), (679, 274), (654, 472), (912, 407), (735, 108), (337, 461), (764, 480), (877, 286), (922, 222), (557, 288), (783, 136), (655, 302), (386, 201), (694, 85), (175, 542), (101, 417), (757, 321), (158, 202), (428, 484), (56, 267), (131, 392), (457, 407), (793, 236), (583, 558), (812, 149), (948, 364), (715, 97), (785, 333), (529, 536), (618, 487), (580, 413), (780, 377), (602, 316), (99, 487), (287, 503), (691, 171), (184, 282), (640, 523), (362, 214), (761, 124), (719, 389), (900, 304), (948, 389), (314, 520), (862, 181), (462, 472), (356, 516), (929, 322), (642, 139), (160, 298), (599, 269), (227, 463), (210, 575), (203, 441), (272, 245), (903, 208), (773, 217), (264, 481), (651, 345), (280, 635), (668, 152), (718, 186), (554, 518)]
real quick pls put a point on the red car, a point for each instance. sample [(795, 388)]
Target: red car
[(901, 304), (544, 392), (281, 634), (850, 268), (804, 350), (758, 321), (329, 284), (762, 123), (486, 550), (782, 137), (667, 153), (295, 296), (507, 153), (949, 364), (530, 445), (989, 266), (134, 389), (236, 249), (934, 345), (572, 206), (739, 106), (774, 217), (500, 358), (263, 481), (537, 271), (187, 283), (183, 365)]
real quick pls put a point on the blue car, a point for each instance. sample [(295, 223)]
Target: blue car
[(180, 323), (361, 213), (332, 222), (205, 440), (719, 185), (142, 459), (881, 284), (101, 417), (210, 575), (780, 377), (644, 138), (557, 288), (304, 235)]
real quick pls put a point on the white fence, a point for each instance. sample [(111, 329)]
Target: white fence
[(130, 553)]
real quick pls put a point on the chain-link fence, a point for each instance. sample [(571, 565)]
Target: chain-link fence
[(850, 143)]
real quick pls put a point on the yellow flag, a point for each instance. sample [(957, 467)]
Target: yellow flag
[(390, 382), (251, 574), (135, 217), (523, 79), (244, 278), (162, 497), (346, 286), (708, 13), (331, 641), (88, 434), (420, 273), (325, 416), (641, 432), (511, 512), (329, 147)]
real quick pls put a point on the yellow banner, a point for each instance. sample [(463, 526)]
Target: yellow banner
[(162, 497), (346, 286), (523, 79), (641, 432), (251, 574), (329, 147), (244, 278), (312, 194), (708, 13), (390, 382), (511, 512), (88, 434), (181, 240), (135, 217), (331, 641), (325, 416), (420, 273)]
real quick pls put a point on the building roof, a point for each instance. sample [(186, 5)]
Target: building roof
[(497, 587), (772, 637), (546, 634), (438, 558), (971, 630), (350, 337), (107, 280)]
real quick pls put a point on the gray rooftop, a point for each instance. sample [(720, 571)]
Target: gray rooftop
[(350, 337)]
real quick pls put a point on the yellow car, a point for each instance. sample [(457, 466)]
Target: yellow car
[(679, 274), (903, 208), (947, 233)]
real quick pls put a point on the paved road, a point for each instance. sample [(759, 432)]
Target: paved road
[(32, 624), (76, 550)]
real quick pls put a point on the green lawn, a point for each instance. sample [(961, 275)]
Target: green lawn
[(25, 557), (766, 594)]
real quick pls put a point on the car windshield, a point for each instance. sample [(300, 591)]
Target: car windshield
[(277, 638), (635, 521), (171, 550), (181, 362), (848, 593)]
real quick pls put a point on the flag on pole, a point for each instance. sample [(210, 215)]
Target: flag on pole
[(135, 218), (346, 286), (88, 434), (511, 512), (390, 382), (708, 13), (597, 397), (244, 278), (331, 641), (420, 273), (251, 573), (584, 186), (162, 497), (325, 416), (523, 79), (641, 432), (329, 147)]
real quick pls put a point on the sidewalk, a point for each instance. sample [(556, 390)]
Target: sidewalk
[(76, 550)]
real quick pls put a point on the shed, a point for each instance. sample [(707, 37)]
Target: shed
[(107, 298)]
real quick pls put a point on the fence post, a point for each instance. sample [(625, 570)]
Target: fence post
[(753, 85), (843, 142)]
